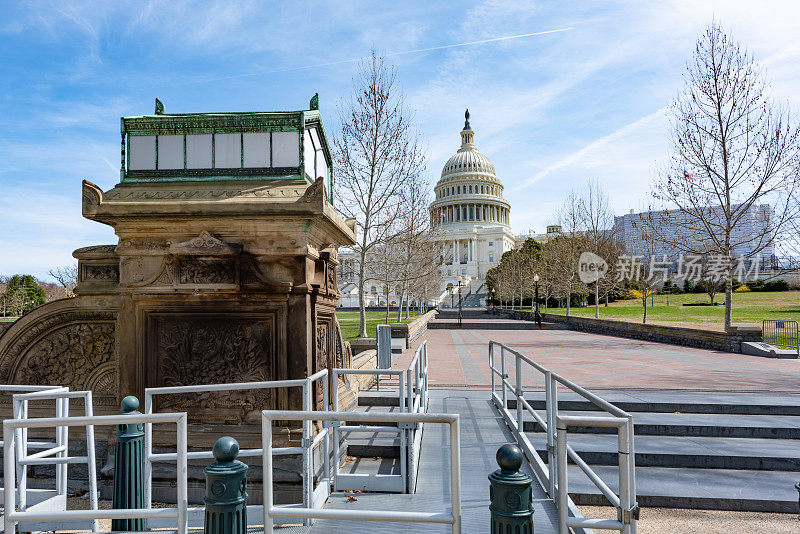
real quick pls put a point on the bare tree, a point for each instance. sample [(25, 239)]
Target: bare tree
[(377, 153), (597, 222), (419, 254), (67, 276), (733, 151), (568, 247)]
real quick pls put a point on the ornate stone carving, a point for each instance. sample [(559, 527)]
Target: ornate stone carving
[(70, 355), (195, 271), (92, 195), (205, 243), (315, 192), (332, 287), (214, 350), (103, 273), (96, 249)]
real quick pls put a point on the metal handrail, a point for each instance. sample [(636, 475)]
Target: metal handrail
[(412, 395), (777, 332), (12, 517), (550, 474), (332, 419), (58, 454), (309, 441)]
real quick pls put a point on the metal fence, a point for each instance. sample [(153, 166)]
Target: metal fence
[(553, 474), (334, 419), (781, 334), (314, 496), (12, 516), (412, 397)]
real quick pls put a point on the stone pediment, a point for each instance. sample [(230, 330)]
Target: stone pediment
[(205, 244)]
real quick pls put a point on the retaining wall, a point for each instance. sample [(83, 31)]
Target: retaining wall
[(730, 341)]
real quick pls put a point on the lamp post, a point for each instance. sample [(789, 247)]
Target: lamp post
[(536, 299), (460, 284)]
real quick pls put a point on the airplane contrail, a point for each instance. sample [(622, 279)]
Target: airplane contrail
[(391, 54)]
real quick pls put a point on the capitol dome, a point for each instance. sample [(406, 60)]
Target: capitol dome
[(470, 218), (469, 190)]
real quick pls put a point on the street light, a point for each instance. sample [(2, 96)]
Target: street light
[(536, 299), (460, 284)]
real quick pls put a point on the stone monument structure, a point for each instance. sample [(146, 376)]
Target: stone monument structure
[(225, 268)]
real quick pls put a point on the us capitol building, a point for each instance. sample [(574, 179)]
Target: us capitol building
[(470, 223), (469, 216)]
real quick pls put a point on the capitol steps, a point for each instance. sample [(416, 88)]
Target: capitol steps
[(693, 450)]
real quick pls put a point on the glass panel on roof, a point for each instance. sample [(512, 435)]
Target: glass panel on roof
[(170, 152), (142, 152), (256, 149), (228, 151), (198, 151), (285, 149)]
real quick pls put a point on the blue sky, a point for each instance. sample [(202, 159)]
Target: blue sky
[(551, 111)]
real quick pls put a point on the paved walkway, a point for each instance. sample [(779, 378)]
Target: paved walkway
[(482, 433), (459, 358)]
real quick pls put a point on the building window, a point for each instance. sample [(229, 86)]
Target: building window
[(458, 190), (491, 243), (470, 188), (464, 272), (481, 190), (374, 290), (491, 257), (449, 273)]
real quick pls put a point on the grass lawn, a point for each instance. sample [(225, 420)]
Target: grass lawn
[(8, 319), (348, 320), (749, 309)]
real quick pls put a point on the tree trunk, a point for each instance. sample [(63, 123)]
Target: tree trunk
[(362, 311), (569, 298), (597, 300), (644, 303), (728, 299)]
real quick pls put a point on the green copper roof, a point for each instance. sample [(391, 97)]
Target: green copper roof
[(254, 145)]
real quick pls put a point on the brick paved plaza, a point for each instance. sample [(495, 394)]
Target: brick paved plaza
[(458, 358)]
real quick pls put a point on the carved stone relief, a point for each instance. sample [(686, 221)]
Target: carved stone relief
[(197, 271), (80, 354), (203, 349), (102, 273)]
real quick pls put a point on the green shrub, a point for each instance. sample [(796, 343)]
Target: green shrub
[(776, 285)]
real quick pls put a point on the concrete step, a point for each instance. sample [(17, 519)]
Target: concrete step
[(372, 410), (384, 397), (371, 466), (706, 403), (695, 452), (451, 324), (372, 444), (710, 489), (688, 424)]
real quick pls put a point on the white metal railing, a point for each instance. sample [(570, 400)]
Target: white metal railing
[(334, 419), (313, 497), (12, 516), (553, 475), (412, 397), (53, 453)]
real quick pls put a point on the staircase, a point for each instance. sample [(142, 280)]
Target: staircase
[(372, 459), (693, 450), (479, 319)]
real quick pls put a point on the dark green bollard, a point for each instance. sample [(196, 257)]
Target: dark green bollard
[(226, 490), (510, 494), (129, 468)]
